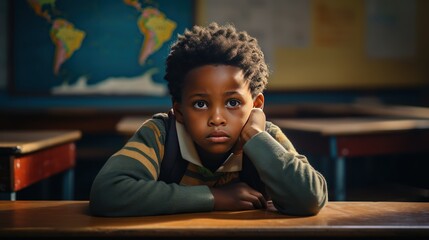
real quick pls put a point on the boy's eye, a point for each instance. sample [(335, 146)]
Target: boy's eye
[(200, 105), (233, 103)]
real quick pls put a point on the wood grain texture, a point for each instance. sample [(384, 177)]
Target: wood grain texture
[(37, 219)]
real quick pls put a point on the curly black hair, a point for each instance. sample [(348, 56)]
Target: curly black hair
[(215, 44)]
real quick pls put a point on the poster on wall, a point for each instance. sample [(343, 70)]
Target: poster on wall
[(391, 31), (97, 47)]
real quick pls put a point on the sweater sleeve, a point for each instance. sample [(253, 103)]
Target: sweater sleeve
[(127, 183), (295, 187)]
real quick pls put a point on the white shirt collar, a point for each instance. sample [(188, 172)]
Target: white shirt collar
[(187, 148)]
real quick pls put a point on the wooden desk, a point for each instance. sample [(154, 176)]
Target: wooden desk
[(340, 138), (30, 156), (41, 219), (129, 125)]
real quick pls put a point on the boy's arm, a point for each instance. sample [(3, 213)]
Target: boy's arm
[(293, 184), (127, 185)]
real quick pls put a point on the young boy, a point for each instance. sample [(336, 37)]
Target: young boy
[(214, 150)]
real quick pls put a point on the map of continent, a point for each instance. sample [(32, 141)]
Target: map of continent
[(37, 6), (156, 28), (66, 38)]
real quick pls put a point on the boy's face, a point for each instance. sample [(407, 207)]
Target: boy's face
[(216, 103)]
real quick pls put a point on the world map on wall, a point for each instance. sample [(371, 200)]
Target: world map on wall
[(94, 47)]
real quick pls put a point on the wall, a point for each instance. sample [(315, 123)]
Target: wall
[(323, 45), (3, 43)]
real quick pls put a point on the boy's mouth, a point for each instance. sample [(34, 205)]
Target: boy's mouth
[(218, 137)]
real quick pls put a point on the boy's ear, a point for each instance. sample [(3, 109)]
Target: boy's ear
[(177, 112), (258, 102)]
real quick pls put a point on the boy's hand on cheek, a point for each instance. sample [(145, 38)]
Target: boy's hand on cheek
[(254, 125), (237, 196)]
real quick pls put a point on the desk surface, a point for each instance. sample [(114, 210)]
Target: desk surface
[(351, 126), (21, 142), (128, 125), (351, 219), (348, 109)]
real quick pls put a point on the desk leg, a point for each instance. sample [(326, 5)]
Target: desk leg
[(339, 171), (11, 196), (340, 178), (325, 167), (68, 184)]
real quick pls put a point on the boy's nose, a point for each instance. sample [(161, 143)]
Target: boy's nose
[(217, 118)]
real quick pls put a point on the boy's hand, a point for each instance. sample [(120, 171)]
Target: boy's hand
[(255, 124), (237, 196)]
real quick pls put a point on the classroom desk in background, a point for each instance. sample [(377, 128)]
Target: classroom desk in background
[(59, 219), (27, 157), (127, 126), (337, 139)]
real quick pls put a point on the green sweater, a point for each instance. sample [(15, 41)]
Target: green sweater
[(127, 184)]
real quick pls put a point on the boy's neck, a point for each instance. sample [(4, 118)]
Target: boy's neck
[(211, 161)]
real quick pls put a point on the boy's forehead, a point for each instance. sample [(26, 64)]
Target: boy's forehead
[(222, 77), (216, 73)]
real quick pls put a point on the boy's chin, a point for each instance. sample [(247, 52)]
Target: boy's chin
[(218, 151), (214, 149)]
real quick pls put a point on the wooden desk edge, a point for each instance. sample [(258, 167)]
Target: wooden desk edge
[(220, 224), (359, 128), (292, 233), (129, 125), (66, 136)]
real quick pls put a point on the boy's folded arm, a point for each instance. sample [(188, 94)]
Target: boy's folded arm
[(295, 187), (130, 190), (127, 185)]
